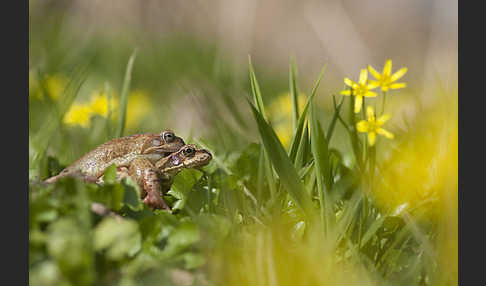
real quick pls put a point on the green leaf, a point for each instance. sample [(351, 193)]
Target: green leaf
[(184, 236), (66, 241), (183, 184), (294, 145), (108, 127), (355, 143), (303, 151), (156, 227), (371, 230), (118, 237), (117, 194), (47, 273), (320, 149), (193, 260), (293, 94), (132, 194), (124, 94), (255, 88), (68, 244), (281, 162), (110, 175), (332, 124), (269, 174), (320, 152)]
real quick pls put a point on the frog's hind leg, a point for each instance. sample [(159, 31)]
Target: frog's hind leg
[(75, 174), (146, 176)]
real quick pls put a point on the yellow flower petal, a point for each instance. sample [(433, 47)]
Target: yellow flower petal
[(138, 106), (371, 138), (376, 74), (345, 92), (398, 85), (348, 82), (388, 67), (363, 76), (358, 101), (362, 126), (78, 114), (385, 133), (373, 84), (401, 72), (370, 94), (370, 113), (382, 119), (99, 105)]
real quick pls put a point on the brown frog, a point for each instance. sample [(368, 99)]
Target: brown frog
[(121, 152), (156, 179)]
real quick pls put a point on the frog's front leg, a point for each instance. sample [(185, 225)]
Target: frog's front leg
[(146, 176)]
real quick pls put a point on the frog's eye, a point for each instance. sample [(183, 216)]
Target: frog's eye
[(189, 151), (168, 136)]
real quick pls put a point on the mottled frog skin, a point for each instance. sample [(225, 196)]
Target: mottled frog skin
[(156, 179), (121, 152)]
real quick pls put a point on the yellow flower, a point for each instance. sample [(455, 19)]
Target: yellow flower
[(373, 126), (55, 85), (386, 78), (421, 173), (360, 89), (78, 114), (138, 106), (99, 104), (284, 133)]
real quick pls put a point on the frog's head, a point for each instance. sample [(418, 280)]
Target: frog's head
[(166, 143), (189, 156)]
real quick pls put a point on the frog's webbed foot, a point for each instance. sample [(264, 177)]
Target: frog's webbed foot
[(155, 201)]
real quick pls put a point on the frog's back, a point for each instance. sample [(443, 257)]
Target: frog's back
[(119, 151)]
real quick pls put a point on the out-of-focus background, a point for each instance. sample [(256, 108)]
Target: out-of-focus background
[(192, 60)]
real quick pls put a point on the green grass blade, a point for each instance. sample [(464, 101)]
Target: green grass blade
[(260, 173), (303, 151), (124, 95), (332, 124), (372, 229), (109, 107), (355, 143), (293, 94), (320, 152), (40, 141), (350, 215), (281, 162), (268, 171), (255, 88), (300, 126)]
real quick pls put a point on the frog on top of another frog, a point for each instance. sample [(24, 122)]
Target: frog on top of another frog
[(121, 152), (155, 179)]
